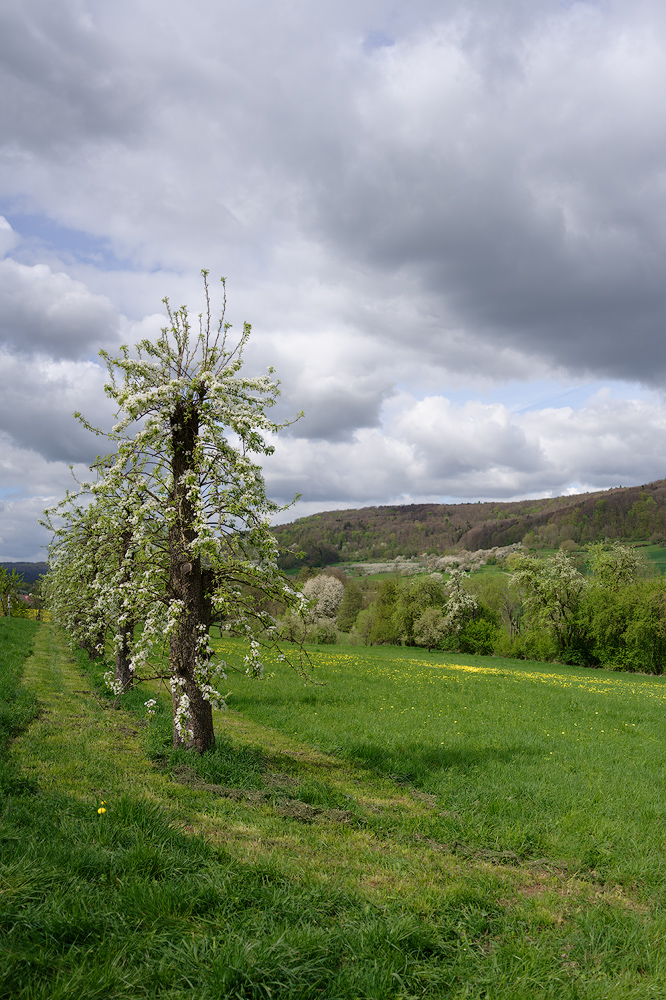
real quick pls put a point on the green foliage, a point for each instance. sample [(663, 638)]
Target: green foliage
[(413, 600), (616, 567), (627, 626), (323, 631), (461, 604), (351, 604), (479, 636), (430, 628), (544, 610), (530, 644), (384, 628), (363, 626), (552, 593)]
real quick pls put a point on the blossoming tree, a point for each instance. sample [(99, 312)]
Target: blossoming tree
[(197, 547), (91, 561)]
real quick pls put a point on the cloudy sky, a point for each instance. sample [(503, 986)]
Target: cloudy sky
[(446, 222)]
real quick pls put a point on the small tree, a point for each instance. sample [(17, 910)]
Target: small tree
[(351, 604), (326, 594), (614, 567), (460, 604), (413, 600), (384, 628), (552, 590), (430, 628), (10, 585), (92, 558), (199, 548)]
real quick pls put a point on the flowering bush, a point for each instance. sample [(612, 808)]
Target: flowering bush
[(325, 594)]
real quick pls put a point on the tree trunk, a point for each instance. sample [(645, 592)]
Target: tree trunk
[(91, 646), (123, 675), (192, 713)]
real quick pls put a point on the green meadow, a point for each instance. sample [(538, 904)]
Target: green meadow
[(402, 825)]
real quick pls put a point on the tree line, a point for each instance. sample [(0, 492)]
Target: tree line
[(547, 609)]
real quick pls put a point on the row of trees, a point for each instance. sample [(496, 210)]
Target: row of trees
[(544, 609), (172, 535)]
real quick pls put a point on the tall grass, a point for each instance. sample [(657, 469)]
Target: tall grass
[(17, 706)]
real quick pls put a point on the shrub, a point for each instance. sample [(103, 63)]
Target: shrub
[(478, 637), (324, 632)]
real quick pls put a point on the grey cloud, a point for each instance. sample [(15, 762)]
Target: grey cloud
[(37, 403), (529, 204), (482, 199), (61, 79), (335, 416), (334, 407), (21, 537), (30, 484), (8, 238), (503, 168), (49, 312)]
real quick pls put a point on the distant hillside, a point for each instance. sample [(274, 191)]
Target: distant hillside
[(31, 570), (633, 513)]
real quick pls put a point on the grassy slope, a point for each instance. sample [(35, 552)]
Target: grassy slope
[(304, 874)]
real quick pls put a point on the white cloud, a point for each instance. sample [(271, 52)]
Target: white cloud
[(8, 238), (432, 449)]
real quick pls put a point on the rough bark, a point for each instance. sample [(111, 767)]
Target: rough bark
[(123, 675), (187, 585)]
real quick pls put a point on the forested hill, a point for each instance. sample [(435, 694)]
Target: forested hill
[(30, 571), (630, 513)]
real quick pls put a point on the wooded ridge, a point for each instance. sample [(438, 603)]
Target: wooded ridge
[(30, 571), (631, 513)]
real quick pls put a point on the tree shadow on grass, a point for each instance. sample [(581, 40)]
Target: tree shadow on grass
[(415, 763)]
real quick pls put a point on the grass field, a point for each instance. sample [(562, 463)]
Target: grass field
[(545, 761), (409, 826), (657, 553)]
